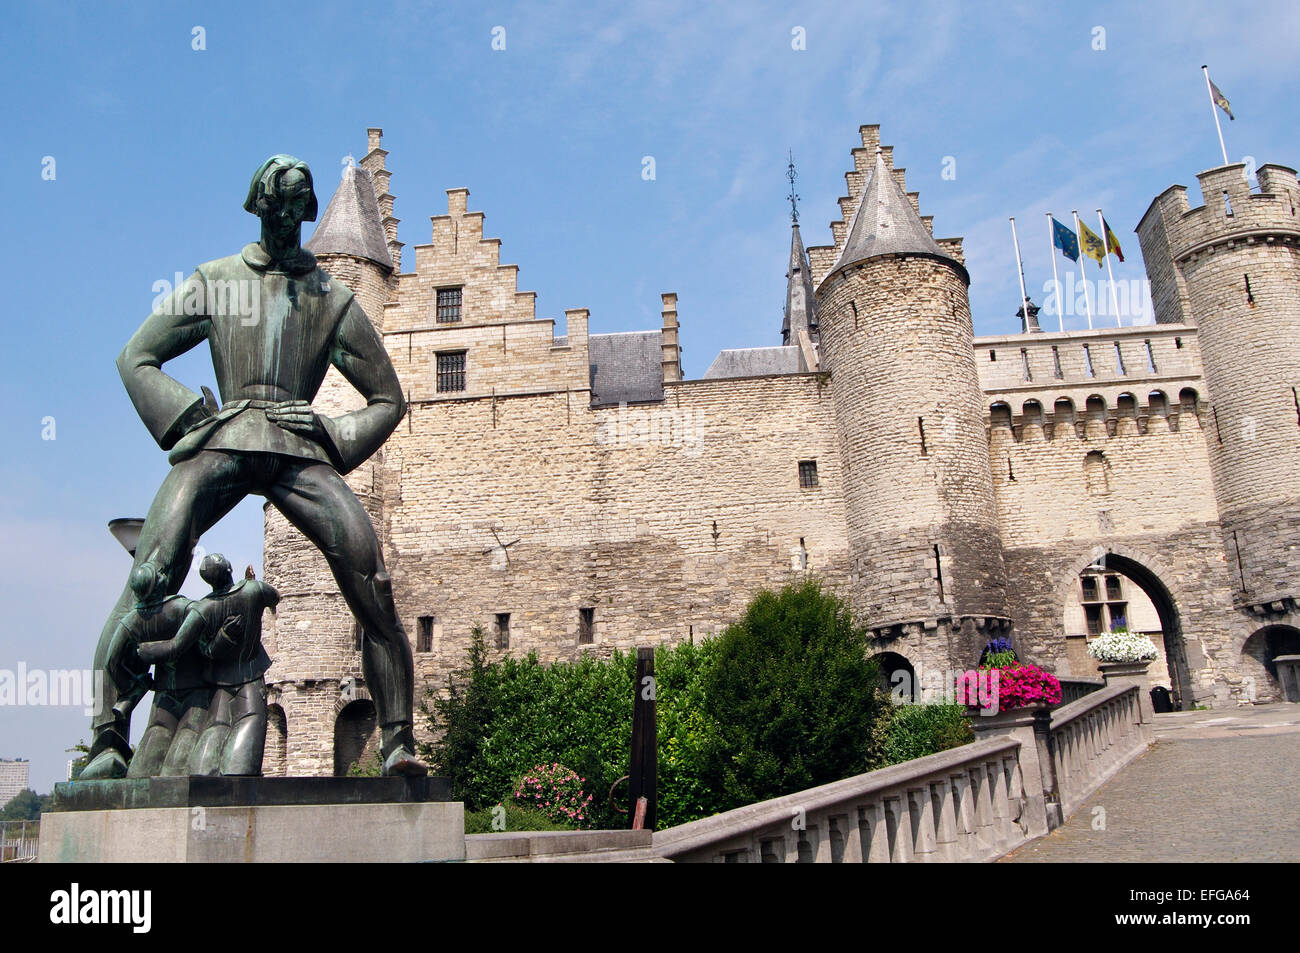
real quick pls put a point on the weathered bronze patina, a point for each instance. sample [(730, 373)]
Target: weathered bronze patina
[(275, 322)]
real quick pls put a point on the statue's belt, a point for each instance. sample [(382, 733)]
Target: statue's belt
[(197, 435)]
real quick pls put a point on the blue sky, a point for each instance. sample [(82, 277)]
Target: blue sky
[(154, 143)]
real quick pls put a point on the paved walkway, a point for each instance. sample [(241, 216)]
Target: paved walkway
[(1219, 785)]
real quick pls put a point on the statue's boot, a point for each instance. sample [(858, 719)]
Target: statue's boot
[(109, 755), (399, 754)]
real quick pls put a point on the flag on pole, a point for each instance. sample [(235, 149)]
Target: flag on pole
[(1220, 100), (1092, 244), (1112, 241), (1063, 237)]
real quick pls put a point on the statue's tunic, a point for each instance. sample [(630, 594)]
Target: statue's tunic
[(274, 329), (236, 656)]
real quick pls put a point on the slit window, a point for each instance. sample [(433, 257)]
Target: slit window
[(1024, 361), (1056, 363), (1087, 362), (358, 635), (451, 371), (1119, 360), (503, 630), (448, 305), (586, 626), (807, 473), (1151, 359), (424, 636)]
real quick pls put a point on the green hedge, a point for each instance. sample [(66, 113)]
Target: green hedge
[(785, 699)]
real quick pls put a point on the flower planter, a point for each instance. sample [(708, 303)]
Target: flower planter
[(1131, 673)]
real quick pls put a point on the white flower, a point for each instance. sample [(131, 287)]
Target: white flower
[(1122, 647)]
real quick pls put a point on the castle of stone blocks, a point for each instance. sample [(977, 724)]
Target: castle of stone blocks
[(569, 492)]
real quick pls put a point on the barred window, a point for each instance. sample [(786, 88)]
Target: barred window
[(424, 641), (503, 630), (586, 626), (807, 473), (451, 371), (448, 305)]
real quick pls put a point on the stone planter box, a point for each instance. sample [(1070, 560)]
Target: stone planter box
[(1131, 673)]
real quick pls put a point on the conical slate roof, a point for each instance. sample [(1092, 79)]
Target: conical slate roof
[(800, 303), (886, 224), (351, 224)]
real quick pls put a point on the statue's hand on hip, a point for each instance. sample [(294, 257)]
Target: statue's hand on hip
[(296, 416)]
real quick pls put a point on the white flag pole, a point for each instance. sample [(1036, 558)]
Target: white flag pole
[(1056, 281), (1020, 270), (1105, 238), (1087, 299), (1214, 108)]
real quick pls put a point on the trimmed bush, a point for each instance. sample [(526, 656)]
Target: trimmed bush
[(918, 730)]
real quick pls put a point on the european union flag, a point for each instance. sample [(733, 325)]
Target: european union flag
[(1065, 239)]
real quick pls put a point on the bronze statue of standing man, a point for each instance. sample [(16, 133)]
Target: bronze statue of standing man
[(275, 322)]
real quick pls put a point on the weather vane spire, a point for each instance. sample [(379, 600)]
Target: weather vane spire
[(791, 174)]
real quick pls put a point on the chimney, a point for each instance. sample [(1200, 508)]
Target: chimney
[(672, 352)]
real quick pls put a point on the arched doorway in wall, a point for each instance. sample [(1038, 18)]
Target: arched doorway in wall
[(897, 677), (1113, 590), (1258, 654), (355, 736), (277, 748)]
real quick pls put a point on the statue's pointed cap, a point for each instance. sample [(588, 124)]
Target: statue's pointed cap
[(351, 224)]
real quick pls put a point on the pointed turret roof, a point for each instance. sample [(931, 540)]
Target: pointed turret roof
[(885, 223), (800, 301), (351, 224)]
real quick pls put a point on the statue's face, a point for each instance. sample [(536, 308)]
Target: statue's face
[(284, 213)]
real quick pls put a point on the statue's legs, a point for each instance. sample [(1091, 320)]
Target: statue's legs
[(147, 761), (242, 755), (195, 494), (315, 499), (206, 757), (193, 716)]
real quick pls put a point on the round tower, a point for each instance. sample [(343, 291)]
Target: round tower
[(896, 336), (321, 714), (1232, 268)]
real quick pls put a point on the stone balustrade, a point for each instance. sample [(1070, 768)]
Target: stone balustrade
[(964, 804), (1093, 738), (1075, 687), (1027, 771)]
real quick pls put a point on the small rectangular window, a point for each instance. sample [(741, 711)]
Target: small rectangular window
[(1113, 590), (993, 355), (357, 635), (1024, 360), (1089, 588), (1151, 359), (1056, 363), (1087, 362), (451, 371), (807, 473), (1118, 614), (503, 630), (448, 305), (1119, 360), (586, 626), (1093, 614), (424, 639)]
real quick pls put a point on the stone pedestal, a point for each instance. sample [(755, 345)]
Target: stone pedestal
[(1288, 676), (1132, 673), (253, 820), (1041, 811)]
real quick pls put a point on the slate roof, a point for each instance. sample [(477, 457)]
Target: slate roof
[(800, 303), (754, 362), (885, 223), (351, 224), (626, 366)]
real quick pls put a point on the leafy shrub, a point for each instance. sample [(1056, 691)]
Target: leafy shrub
[(556, 792), (793, 699), (514, 819), (918, 730)]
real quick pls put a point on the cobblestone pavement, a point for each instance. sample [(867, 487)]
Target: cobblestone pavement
[(1219, 785)]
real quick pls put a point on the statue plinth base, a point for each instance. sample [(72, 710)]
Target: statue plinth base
[(253, 820)]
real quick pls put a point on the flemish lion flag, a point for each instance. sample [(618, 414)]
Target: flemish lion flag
[(1092, 244), (1112, 240), (1221, 100)]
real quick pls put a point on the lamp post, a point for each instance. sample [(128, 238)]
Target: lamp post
[(126, 530)]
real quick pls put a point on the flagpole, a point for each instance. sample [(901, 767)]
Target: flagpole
[(1105, 239), (1087, 299), (1056, 282), (1020, 270), (1214, 108)]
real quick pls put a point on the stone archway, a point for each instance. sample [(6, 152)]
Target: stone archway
[(274, 763), (897, 676), (356, 735), (1149, 575), (1257, 659)]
